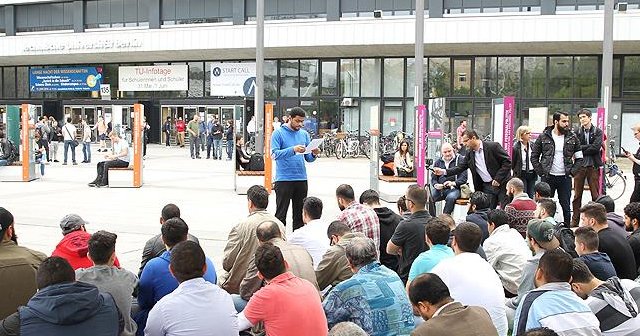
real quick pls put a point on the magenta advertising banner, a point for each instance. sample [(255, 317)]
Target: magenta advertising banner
[(421, 115), (601, 123), (508, 126)]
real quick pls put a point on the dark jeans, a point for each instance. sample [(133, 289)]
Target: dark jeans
[(167, 137), (635, 196), (216, 145), (592, 175), (86, 151), (294, 192), (194, 146), (230, 147), (497, 196), (529, 179), (103, 169), (144, 146), (448, 195), (203, 140), (563, 185), (67, 145)]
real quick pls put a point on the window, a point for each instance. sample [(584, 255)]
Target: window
[(631, 77), (508, 76), (462, 77), (485, 82), (196, 11), (534, 77), (560, 77), (371, 77), (2, 20), (585, 76), (616, 78), (365, 8), (411, 78), (439, 77), (22, 81), (9, 82), (196, 79), (289, 78), (350, 77), (270, 79), (309, 78), (116, 13), (393, 77), (286, 9), (391, 117), (329, 78), (44, 17)]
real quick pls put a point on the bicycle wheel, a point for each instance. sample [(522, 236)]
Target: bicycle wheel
[(340, 150), (365, 147), (354, 148), (250, 148), (616, 185)]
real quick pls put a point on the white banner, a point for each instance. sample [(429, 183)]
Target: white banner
[(153, 78), (233, 79)]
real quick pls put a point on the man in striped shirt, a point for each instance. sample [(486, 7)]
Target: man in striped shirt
[(614, 302)]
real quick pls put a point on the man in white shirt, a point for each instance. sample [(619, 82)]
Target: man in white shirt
[(196, 307), (118, 159), (69, 134), (312, 235), (471, 280)]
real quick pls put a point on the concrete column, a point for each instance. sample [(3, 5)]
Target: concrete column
[(10, 20), (78, 16), (333, 10), (239, 12), (154, 14), (436, 8), (548, 7)]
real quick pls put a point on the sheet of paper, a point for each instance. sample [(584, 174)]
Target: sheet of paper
[(315, 143)]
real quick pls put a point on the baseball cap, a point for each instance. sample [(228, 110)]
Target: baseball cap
[(6, 219), (543, 233), (71, 222)]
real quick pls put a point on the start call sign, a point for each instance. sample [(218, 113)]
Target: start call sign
[(233, 79)]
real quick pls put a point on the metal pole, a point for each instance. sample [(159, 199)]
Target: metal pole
[(607, 57), (419, 69), (259, 91)]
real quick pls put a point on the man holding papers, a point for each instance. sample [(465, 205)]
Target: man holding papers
[(291, 174)]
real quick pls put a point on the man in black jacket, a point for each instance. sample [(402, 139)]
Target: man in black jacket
[(489, 164), (556, 156), (591, 145), (389, 220)]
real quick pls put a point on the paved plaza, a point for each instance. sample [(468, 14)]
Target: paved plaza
[(203, 189)]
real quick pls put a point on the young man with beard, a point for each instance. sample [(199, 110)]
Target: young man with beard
[(632, 224), (556, 156), (389, 220)]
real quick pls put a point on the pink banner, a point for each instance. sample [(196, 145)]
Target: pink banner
[(421, 151), (509, 120), (601, 124)]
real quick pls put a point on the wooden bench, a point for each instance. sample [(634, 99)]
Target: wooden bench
[(121, 177), (392, 187), (250, 172), (396, 179), (244, 179)]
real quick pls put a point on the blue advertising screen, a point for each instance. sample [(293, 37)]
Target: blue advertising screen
[(65, 79)]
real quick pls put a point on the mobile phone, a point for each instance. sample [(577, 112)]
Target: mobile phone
[(624, 150)]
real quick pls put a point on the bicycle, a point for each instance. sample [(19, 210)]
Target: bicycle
[(351, 145), (329, 141), (615, 182), (250, 144)]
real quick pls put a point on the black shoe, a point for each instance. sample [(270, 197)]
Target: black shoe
[(197, 157), (56, 161), (100, 185), (92, 184), (208, 158)]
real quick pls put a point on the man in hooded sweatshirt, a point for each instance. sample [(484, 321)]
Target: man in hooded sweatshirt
[(64, 307), (74, 245), (389, 220), (615, 221), (478, 214)]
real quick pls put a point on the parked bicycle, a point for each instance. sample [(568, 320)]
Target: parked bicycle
[(250, 144), (615, 182), (351, 145), (329, 142)]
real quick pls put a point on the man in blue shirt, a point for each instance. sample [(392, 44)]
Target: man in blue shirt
[(288, 145), (437, 236)]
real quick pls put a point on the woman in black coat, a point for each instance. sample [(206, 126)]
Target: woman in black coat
[(521, 160)]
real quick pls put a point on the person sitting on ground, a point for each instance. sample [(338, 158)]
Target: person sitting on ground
[(74, 245), (242, 241), (8, 154), (357, 216), (614, 244), (552, 304), (347, 329), (507, 252), (615, 302), (402, 207), (479, 205), (196, 307), (521, 209), (446, 187), (63, 306), (451, 223), (436, 234), (118, 282), (586, 241), (542, 190), (389, 221), (430, 296), (156, 280), (615, 221), (311, 235), (408, 239), (287, 305), (334, 267), (403, 160), (118, 159), (546, 210), (154, 247), (242, 158), (18, 265), (470, 279), (632, 225), (373, 298)]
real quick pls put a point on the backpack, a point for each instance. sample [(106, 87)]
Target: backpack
[(387, 169), (256, 162), (386, 158), (566, 238), (13, 155)]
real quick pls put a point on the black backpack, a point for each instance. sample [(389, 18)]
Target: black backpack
[(566, 238), (12, 154), (256, 162)]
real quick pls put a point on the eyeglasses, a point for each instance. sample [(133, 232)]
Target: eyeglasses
[(527, 132), (408, 200)]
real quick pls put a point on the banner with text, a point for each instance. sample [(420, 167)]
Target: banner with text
[(64, 79), (233, 79), (421, 116), (153, 78), (509, 120)]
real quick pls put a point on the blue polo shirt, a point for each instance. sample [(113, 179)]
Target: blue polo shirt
[(427, 260)]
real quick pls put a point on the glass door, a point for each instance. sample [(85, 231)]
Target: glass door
[(76, 115)]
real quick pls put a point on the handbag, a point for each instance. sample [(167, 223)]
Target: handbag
[(74, 142)]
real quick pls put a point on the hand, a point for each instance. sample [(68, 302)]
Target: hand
[(449, 184), (628, 155), (299, 149), (439, 171), (438, 186), (495, 183), (315, 151)]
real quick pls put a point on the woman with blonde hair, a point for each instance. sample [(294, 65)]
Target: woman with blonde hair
[(521, 159)]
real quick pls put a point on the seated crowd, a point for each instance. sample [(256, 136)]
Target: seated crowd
[(370, 271)]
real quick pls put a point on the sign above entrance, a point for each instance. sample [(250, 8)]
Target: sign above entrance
[(233, 79), (153, 78), (64, 79)]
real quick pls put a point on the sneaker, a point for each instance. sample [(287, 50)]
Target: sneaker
[(75, 163), (56, 161), (64, 163), (100, 185), (92, 184)]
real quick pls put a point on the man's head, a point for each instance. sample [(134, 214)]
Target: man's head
[(515, 186), (636, 131), (561, 122), (540, 234), (371, 198), (479, 201), (187, 261), (296, 118), (415, 198), (72, 222), (447, 219), (497, 218), (546, 208), (402, 205), (196, 117), (102, 248), (582, 280), (360, 251), (593, 215), (114, 136), (174, 230), (269, 261), (584, 115), (311, 209), (554, 266), (586, 240), (268, 230), (68, 120), (542, 190), (463, 123), (169, 211), (257, 198), (436, 232), (466, 238), (608, 203), (471, 140), (427, 293), (632, 216), (336, 230), (347, 328), (344, 196), (7, 231), (447, 152), (53, 271)]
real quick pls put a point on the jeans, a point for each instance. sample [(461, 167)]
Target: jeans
[(448, 195), (86, 151), (238, 302), (229, 149), (103, 169), (529, 179), (53, 148), (3, 162), (194, 146), (167, 137), (496, 195), (561, 183), (216, 145), (67, 144), (592, 175), (294, 192), (202, 140), (635, 196)]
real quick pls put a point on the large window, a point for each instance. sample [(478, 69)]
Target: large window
[(461, 77), (329, 78), (116, 13), (1, 19), (393, 77), (508, 76), (534, 77), (43, 17), (585, 74), (560, 77), (616, 78), (350, 77), (631, 77), (365, 8), (289, 78), (485, 82), (196, 11), (270, 79), (371, 77), (308, 78), (391, 117), (286, 9), (9, 82), (22, 82), (196, 79), (439, 77)]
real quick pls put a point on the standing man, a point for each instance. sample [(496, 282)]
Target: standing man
[(166, 128), (180, 127), (287, 147), (202, 127), (193, 127), (214, 138), (229, 138), (86, 141), (459, 132), (556, 156), (489, 164), (69, 134), (590, 138)]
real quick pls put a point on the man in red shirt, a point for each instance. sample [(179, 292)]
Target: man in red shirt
[(522, 208), (180, 128), (287, 305)]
